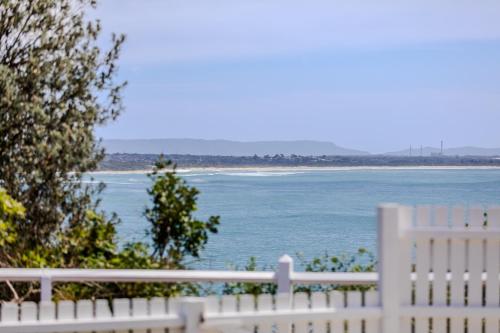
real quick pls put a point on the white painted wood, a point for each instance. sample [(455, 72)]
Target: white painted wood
[(301, 302), (45, 288), (47, 311), (492, 269), (213, 304), (318, 302), (10, 312), (477, 312), (84, 310), (337, 302), (475, 263), (65, 310), (173, 307), (392, 225), (480, 246), (192, 309), (283, 303), (29, 312), (284, 274), (140, 310), (122, 310), (102, 311), (354, 300), (264, 304), (439, 267), (457, 267), (423, 257), (134, 275), (138, 275), (247, 305), (229, 304), (371, 300), (157, 307), (405, 263)]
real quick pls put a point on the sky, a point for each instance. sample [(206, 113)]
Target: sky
[(377, 75)]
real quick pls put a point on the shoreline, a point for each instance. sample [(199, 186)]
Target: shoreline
[(300, 169)]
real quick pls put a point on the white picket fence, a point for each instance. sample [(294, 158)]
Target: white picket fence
[(438, 272)]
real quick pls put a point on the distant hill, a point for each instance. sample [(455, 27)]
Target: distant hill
[(226, 147), (460, 151)]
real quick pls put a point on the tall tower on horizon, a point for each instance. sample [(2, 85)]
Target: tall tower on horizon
[(441, 153)]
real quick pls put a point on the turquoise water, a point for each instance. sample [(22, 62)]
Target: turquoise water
[(267, 214)]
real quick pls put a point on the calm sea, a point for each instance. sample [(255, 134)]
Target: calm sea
[(267, 214)]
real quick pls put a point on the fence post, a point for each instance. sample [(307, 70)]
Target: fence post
[(192, 311), (284, 274), (388, 267), (45, 288)]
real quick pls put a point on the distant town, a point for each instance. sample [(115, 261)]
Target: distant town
[(129, 162)]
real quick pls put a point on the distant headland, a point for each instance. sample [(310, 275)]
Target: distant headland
[(141, 162), (261, 148), (135, 155)]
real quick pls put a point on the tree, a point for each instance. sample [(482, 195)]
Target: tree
[(175, 232), (56, 86)]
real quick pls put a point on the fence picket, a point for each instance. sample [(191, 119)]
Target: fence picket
[(337, 302), (265, 303), (283, 303), (157, 307), (475, 263), (47, 311), (439, 268), (354, 301), (492, 269), (318, 301), (229, 304), (29, 312), (102, 310), (457, 266), (140, 309), (405, 266), (10, 312), (423, 256), (121, 309), (371, 300), (300, 302), (247, 305), (65, 310), (474, 250), (84, 310), (173, 306)]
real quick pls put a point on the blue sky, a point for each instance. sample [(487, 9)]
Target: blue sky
[(376, 76)]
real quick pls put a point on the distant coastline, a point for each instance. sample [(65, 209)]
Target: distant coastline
[(300, 169), (143, 163)]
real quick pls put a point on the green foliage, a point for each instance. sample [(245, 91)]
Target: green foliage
[(255, 289), (175, 232), (361, 261), (56, 86), (89, 244), (10, 211)]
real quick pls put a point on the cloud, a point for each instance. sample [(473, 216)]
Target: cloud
[(169, 31)]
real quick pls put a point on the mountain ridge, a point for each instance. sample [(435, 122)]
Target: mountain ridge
[(221, 147), (226, 147)]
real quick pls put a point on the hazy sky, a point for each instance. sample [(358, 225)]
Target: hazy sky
[(371, 75)]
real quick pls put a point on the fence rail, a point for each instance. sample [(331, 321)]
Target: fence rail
[(439, 272)]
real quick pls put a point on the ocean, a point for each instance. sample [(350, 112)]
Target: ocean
[(301, 213)]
